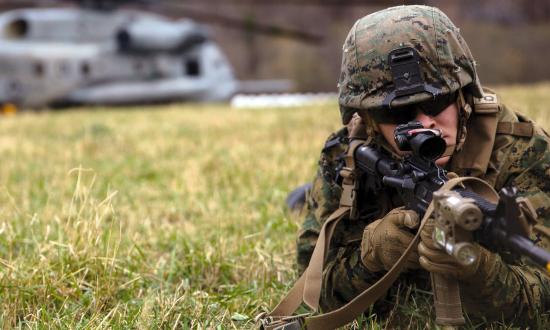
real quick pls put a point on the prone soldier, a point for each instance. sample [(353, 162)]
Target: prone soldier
[(411, 63)]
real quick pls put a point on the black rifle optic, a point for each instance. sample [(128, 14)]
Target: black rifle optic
[(417, 177)]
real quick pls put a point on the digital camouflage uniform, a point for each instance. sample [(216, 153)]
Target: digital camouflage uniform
[(515, 288)]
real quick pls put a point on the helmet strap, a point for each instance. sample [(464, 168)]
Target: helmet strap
[(371, 128), (464, 112)]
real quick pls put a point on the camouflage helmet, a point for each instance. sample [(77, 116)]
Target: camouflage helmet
[(400, 56)]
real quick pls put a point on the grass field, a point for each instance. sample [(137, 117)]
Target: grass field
[(158, 217)]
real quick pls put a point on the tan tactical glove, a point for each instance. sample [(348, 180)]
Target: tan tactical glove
[(385, 240), (435, 260)]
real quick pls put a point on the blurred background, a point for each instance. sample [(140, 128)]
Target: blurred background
[(260, 46), (173, 216), (509, 38)]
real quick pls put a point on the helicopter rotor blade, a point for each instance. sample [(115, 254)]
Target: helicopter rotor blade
[(255, 27), (319, 3), (172, 9), (176, 9), (8, 5)]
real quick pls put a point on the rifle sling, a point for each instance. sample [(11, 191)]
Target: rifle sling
[(308, 286), (359, 304), (300, 290)]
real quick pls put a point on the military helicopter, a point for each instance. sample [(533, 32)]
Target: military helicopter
[(97, 53)]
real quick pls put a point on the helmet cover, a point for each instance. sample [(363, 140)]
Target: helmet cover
[(438, 57)]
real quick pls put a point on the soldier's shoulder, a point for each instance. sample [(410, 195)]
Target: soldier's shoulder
[(491, 102), (528, 144), (332, 155), (511, 122), (488, 102), (336, 141), (531, 152)]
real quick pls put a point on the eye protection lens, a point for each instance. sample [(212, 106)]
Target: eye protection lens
[(405, 114), (435, 107), (396, 116)]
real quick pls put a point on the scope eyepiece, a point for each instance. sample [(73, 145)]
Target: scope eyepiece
[(424, 142)]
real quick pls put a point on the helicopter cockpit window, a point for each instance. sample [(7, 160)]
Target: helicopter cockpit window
[(17, 29), (192, 67), (85, 69), (38, 69), (64, 69)]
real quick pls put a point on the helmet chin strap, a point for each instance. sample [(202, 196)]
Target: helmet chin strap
[(370, 127), (464, 112)]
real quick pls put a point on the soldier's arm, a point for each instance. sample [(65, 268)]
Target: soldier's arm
[(519, 288), (321, 201), (344, 275)]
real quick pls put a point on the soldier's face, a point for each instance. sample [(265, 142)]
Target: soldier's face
[(446, 121)]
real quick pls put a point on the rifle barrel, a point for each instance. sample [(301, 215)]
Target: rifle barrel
[(526, 247)]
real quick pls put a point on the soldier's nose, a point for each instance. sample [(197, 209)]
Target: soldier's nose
[(425, 120)]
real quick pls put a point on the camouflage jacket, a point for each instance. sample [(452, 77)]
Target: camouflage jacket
[(517, 288)]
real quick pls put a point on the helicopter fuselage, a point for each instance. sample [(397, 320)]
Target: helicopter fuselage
[(83, 56)]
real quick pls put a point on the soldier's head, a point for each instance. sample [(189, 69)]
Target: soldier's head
[(405, 63)]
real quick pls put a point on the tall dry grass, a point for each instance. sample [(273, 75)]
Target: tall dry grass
[(158, 217)]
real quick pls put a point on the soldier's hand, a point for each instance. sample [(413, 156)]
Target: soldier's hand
[(435, 260), (385, 240)]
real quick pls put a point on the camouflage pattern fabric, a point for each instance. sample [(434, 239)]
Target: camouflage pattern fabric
[(445, 59), (515, 291)]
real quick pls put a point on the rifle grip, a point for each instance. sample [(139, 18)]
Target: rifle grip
[(448, 307)]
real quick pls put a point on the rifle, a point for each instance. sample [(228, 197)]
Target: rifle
[(461, 216)]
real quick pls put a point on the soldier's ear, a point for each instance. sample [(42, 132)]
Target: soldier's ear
[(357, 128)]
